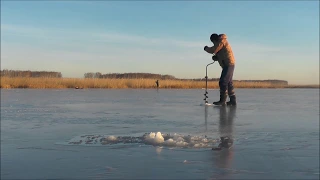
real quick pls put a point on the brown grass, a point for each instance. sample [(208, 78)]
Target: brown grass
[(58, 83)]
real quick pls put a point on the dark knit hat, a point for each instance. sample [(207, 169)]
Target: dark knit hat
[(214, 37)]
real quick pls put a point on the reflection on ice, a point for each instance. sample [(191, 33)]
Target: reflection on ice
[(156, 139)]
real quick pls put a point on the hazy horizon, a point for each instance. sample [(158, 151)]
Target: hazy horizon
[(217, 78), (270, 40)]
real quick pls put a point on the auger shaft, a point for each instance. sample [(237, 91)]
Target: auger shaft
[(205, 94)]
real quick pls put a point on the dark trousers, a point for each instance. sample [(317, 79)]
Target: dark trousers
[(225, 82)]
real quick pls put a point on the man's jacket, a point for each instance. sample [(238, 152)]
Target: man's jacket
[(223, 51)]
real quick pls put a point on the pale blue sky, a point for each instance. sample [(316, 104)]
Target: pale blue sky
[(270, 39)]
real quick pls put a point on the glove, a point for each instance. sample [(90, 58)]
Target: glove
[(214, 58), (205, 47)]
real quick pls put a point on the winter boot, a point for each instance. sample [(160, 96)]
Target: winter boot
[(225, 143), (223, 98), (232, 101)]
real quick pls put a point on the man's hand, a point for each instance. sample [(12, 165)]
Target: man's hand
[(215, 58), (205, 47)]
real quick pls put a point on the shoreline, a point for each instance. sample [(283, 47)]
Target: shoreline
[(86, 83)]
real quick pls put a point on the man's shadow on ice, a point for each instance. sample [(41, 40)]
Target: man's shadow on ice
[(223, 153)]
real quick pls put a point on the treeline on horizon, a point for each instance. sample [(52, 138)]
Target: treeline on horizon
[(28, 73), (98, 75), (167, 77), (128, 76)]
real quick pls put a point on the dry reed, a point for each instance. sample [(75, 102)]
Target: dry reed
[(58, 83)]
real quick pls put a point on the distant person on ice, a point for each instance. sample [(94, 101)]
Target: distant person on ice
[(222, 53)]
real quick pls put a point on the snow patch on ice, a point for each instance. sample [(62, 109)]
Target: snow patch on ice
[(152, 138)]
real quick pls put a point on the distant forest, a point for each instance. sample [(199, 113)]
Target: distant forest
[(164, 77), (128, 76), (50, 74), (17, 73)]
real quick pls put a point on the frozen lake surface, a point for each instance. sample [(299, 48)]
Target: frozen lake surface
[(106, 133)]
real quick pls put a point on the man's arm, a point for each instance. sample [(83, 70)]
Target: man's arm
[(214, 49)]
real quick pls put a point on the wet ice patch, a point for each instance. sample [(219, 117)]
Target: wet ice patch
[(152, 138)]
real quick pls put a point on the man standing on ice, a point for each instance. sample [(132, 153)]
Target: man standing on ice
[(222, 53)]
